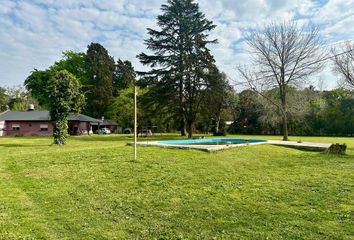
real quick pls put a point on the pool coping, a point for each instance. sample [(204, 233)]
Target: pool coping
[(309, 146)]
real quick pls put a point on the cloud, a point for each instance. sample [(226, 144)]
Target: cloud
[(34, 33)]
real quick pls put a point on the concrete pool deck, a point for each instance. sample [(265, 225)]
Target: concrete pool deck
[(310, 146)]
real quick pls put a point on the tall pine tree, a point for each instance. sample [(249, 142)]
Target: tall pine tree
[(124, 75), (100, 74), (180, 60)]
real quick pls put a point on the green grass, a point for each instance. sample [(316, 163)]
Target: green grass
[(91, 189)]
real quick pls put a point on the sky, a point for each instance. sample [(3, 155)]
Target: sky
[(34, 33)]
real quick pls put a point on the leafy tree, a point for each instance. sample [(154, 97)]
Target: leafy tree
[(314, 117), (332, 113), (96, 71), (122, 108), (338, 112), (156, 113), (247, 113), (180, 60), (74, 63), (38, 80), (219, 98), (100, 74), (124, 75), (64, 96), (19, 99), (37, 83), (310, 112)]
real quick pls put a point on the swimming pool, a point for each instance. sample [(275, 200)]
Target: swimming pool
[(216, 144), (211, 141)]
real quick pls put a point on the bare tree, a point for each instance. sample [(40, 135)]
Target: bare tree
[(283, 54), (344, 63)]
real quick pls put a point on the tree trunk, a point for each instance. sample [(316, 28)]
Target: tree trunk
[(183, 120), (190, 129), (217, 124), (183, 128), (285, 127), (183, 132), (284, 117)]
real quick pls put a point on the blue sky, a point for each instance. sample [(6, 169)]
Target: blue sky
[(35, 33)]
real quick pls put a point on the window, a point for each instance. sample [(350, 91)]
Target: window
[(15, 127), (44, 127)]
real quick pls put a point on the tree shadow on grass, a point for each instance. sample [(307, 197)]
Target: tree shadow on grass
[(124, 138), (100, 139), (24, 145), (119, 138)]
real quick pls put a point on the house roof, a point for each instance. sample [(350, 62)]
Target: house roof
[(109, 122), (41, 116), (82, 118)]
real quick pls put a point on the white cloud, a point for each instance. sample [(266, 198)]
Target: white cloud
[(34, 33), (6, 7)]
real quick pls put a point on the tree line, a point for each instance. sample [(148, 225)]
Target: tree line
[(100, 76), (184, 90), (310, 112)]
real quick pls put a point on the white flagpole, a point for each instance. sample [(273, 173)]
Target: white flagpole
[(135, 123)]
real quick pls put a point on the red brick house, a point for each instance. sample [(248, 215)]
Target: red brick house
[(38, 123)]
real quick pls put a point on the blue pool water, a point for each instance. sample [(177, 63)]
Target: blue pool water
[(211, 141)]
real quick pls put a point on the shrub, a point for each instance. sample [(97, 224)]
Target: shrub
[(222, 133), (337, 149)]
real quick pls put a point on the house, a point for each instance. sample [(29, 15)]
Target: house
[(38, 123), (111, 125)]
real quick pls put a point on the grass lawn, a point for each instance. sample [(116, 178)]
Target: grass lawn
[(91, 189)]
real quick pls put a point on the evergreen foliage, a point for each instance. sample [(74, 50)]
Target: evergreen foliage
[(180, 61), (124, 75), (100, 74)]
